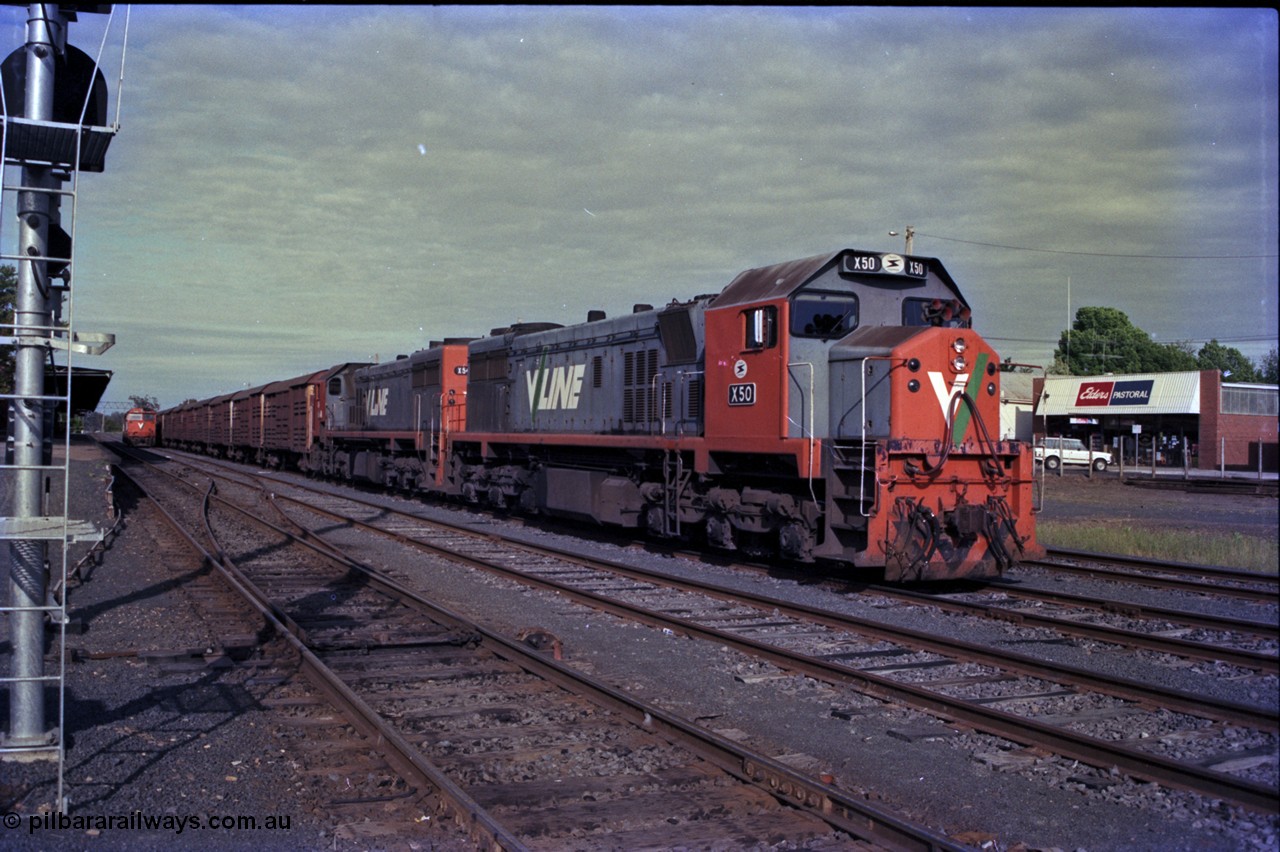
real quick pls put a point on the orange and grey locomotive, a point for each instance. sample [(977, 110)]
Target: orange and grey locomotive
[(139, 427), (836, 408)]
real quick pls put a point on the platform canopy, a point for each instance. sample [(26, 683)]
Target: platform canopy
[(87, 386)]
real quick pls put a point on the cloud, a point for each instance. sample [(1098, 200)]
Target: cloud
[(270, 174)]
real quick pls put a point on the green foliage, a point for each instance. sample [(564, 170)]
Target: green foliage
[(1269, 369), (1231, 362), (1103, 340)]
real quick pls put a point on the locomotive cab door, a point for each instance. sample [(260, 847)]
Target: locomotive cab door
[(746, 376)]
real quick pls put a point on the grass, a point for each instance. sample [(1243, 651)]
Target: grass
[(1227, 550)]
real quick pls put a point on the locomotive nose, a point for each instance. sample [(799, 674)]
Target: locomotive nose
[(970, 541)]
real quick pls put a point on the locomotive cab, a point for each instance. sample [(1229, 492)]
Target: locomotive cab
[(834, 384), (140, 427)]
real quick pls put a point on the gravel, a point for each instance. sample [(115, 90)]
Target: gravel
[(202, 742)]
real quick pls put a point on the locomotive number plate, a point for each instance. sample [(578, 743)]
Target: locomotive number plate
[(742, 394), (883, 264)]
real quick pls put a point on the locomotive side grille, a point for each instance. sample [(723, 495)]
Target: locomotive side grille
[(651, 369), (639, 401), (597, 372), (694, 406), (426, 376), (628, 387), (489, 367)]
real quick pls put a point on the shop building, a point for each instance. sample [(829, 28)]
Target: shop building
[(1191, 419)]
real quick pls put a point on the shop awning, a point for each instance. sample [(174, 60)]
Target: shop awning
[(1142, 393)]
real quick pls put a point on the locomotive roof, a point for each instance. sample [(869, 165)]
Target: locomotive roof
[(782, 279)]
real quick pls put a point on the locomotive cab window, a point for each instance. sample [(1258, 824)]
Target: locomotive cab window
[(823, 314), (762, 328), (936, 312)]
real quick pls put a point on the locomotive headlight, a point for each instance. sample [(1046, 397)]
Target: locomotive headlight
[(958, 363), (959, 345)]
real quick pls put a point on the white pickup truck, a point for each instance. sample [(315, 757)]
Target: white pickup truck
[(1055, 452)]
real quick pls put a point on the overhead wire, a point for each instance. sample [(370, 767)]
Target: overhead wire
[(1104, 254)]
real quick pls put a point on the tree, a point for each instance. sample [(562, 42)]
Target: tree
[(1231, 362), (1269, 368), (1103, 340)]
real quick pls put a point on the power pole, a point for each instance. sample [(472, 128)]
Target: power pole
[(910, 237)]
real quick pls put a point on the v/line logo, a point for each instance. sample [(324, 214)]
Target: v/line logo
[(969, 383), (375, 401), (943, 394), (555, 388)]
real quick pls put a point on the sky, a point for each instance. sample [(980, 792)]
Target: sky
[(294, 187)]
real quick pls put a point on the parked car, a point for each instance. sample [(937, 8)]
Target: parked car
[(1055, 452)]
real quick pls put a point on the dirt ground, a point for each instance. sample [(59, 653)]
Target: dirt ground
[(1074, 497)]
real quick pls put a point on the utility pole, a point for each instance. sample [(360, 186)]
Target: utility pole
[(910, 236)]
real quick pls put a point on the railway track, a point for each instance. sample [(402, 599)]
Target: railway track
[(1072, 712), (1181, 634), (522, 749), (1249, 586)]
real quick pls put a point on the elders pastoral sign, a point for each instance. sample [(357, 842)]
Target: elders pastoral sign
[(1115, 393)]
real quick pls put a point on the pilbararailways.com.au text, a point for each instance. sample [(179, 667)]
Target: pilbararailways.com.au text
[(138, 821)]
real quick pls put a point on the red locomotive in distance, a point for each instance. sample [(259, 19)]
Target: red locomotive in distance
[(140, 427), (836, 408)]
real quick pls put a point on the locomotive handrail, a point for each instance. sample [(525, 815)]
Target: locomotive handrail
[(1037, 483), (683, 375), (659, 409), (862, 449), (812, 438)]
